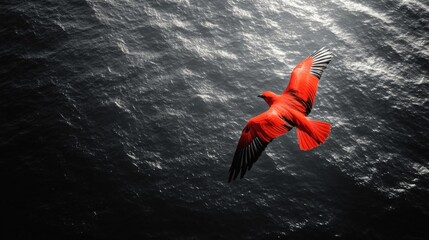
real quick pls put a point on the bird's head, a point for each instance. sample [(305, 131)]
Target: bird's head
[(269, 97)]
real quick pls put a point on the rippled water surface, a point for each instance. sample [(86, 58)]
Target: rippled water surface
[(119, 119)]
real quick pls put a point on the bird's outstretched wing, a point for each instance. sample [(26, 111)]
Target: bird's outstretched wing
[(305, 78), (256, 135)]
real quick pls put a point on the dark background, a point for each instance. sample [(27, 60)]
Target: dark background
[(119, 119)]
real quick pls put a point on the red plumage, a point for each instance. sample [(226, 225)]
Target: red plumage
[(286, 111)]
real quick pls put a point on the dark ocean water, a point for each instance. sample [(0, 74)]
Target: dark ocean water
[(119, 119)]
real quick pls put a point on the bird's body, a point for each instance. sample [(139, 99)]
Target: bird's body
[(287, 110)]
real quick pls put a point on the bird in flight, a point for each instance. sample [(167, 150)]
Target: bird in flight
[(287, 110)]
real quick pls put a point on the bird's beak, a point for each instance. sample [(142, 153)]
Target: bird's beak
[(260, 96)]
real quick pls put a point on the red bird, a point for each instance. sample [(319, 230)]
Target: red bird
[(286, 111)]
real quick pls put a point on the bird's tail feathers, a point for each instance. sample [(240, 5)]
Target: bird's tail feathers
[(320, 132)]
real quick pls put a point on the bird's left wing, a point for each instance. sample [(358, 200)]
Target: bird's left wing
[(256, 135), (305, 78)]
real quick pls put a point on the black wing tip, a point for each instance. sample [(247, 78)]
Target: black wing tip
[(233, 174), (230, 178), (245, 157), (321, 59), (321, 50)]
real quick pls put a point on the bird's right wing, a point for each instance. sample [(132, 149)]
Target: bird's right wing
[(305, 78), (256, 135)]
